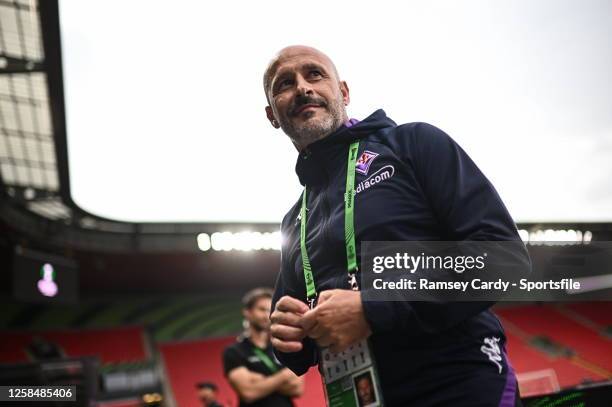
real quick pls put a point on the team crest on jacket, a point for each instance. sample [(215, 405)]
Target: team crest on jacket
[(364, 162)]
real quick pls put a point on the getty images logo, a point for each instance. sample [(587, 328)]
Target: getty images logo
[(379, 176)]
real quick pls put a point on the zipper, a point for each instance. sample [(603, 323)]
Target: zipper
[(326, 210)]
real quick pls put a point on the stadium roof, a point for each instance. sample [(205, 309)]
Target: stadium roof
[(35, 188), (28, 161)]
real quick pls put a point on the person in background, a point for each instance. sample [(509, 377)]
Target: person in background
[(250, 365), (207, 393)]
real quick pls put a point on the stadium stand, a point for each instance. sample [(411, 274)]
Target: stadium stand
[(542, 337), (547, 321), (526, 358), (117, 345), (599, 313)]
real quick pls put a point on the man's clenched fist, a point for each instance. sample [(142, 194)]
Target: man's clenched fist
[(337, 321), (286, 329)]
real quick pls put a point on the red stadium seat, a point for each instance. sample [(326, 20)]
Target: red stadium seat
[(110, 345)]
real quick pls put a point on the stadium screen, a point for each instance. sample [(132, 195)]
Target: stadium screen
[(41, 277)]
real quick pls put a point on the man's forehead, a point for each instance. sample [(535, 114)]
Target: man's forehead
[(295, 57), (263, 302), (301, 51)]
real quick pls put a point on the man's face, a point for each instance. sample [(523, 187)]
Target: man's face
[(306, 98), (365, 391), (207, 395), (259, 315)]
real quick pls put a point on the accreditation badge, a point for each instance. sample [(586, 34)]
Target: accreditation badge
[(350, 377)]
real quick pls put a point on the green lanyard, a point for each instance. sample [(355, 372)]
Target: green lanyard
[(265, 359), (349, 229)]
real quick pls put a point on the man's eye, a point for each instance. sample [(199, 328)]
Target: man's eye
[(284, 83), (314, 72)]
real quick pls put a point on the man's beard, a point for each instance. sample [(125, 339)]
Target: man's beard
[(312, 130), (257, 327)]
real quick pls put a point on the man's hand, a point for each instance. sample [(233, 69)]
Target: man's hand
[(337, 321), (286, 330)]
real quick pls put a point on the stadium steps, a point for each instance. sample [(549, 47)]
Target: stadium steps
[(595, 316), (525, 358), (547, 321)]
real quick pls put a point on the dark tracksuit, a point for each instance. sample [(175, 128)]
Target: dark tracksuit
[(427, 354)]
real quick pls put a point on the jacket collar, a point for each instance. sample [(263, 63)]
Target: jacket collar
[(311, 162)]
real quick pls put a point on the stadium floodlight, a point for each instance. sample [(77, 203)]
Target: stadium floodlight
[(241, 241), (204, 242), (556, 237)]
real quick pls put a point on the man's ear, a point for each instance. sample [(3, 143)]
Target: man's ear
[(345, 93), (270, 115)]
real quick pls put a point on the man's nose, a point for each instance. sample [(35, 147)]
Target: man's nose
[(303, 86)]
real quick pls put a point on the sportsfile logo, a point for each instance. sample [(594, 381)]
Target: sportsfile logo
[(381, 175), (364, 162)]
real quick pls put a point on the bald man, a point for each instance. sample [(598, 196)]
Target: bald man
[(412, 183)]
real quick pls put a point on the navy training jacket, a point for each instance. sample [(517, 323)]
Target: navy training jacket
[(420, 186)]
